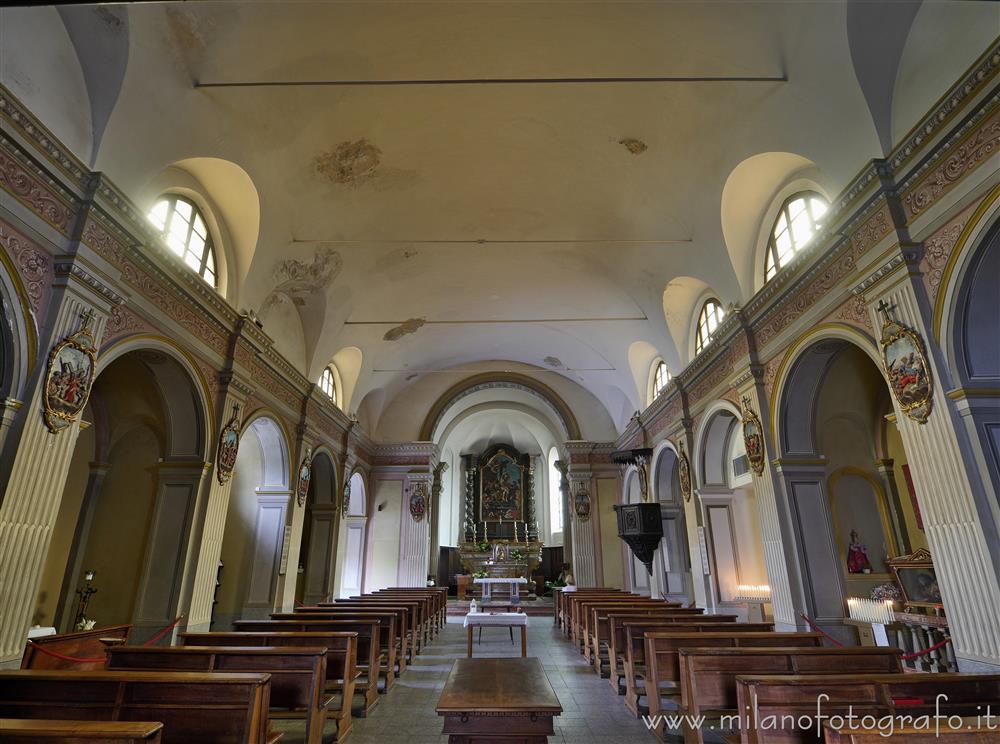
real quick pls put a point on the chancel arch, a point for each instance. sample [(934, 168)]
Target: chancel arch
[(139, 460), (318, 551), (728, 502), (844, 472), (255, 523)]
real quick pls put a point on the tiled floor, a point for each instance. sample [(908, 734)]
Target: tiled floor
[(592, 713)]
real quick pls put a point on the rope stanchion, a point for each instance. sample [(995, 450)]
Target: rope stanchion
[(64, 657), (931, 649), (818, 629), (163, 632)]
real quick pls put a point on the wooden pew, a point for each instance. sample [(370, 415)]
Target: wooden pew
[(560, 596), (966, 731), (85, 644), (27, 731), (437, 596), (371, 661), (415, 623), (341, 662), (582, 611), (427, 609), (875, 694), (708, 675), (575, 609), (194, 708), (661, 675), (569, 599), (298, 675), (629, 633), (392, 640), (599, 627)]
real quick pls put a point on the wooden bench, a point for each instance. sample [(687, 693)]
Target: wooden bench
[(341, 662), (298, 675), (423, 607), (412, 621), (86, 644), (580, 630), (966, 731), (631, 631), (27, 731), (371, 661), (708, 675), (572, 599), (391, 639), (661, 672), (560, 600), (194, 708), (600, 628), (874, 694), (437, 597)]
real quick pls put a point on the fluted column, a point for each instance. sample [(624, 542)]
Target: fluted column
[(40, 465), (957, 512), (586, 553), (8, 410), (414, 534)]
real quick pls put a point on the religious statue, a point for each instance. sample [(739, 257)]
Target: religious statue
[(857, 556)]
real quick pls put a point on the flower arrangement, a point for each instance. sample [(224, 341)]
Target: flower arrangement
[(885, 591), (483, 546), (517, 555), (480, 574)]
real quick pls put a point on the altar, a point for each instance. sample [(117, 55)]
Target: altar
[(500, 545), (513, 582)]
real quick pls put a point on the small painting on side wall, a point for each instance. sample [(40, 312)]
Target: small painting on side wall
[(70, 374), (917, 578)]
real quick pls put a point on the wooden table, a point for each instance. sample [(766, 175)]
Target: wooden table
[(510, 620), (500, 701)]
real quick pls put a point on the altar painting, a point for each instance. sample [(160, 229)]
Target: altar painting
[(501, 496)]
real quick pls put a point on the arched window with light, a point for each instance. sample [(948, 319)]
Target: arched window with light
[(800, 218), (328, 384), (186, 234), (555, 493), (709, 321), (661, 376)]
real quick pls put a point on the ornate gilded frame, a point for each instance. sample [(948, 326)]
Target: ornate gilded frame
[(919, 408), (753, 431), (59, 415), (228, 447), (684, 472), (304, 476)]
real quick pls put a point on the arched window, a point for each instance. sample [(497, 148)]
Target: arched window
[(555, 494), (328, 384), (660, 379), (708, 322), (798, 221), (184, 230)]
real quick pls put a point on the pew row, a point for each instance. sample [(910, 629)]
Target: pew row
[(194, 708), (84, 644), (298, 675), (28, 731), (342, 674)]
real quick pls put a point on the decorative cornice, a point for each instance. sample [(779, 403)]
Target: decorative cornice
[(69, 267), (17, 115), (878, 274)]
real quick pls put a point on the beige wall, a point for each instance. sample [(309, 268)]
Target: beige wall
[(611, 544), (383, 549)]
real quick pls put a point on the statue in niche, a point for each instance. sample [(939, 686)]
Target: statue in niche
[(857, 556)]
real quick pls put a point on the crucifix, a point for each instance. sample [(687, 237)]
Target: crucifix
[(884, 308)]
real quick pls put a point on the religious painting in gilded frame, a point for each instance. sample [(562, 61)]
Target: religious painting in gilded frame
[(684, 472), (501, 491), (229, 447), (906, 367), (753, 438), (917, 578), (69, 377), (418, 501), (305, 475), (581, 504)]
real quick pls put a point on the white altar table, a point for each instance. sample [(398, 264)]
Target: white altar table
[(509, 620), (515, 583)]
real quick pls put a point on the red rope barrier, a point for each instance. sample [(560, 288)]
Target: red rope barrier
[(163, 632), (935, 647), (57, 655), (818, 629)]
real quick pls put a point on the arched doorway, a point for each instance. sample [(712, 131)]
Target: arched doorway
[(353, 538), (255, 525), (638, 576), (138, 462), (844, 475), (729, 506), (975, 350), (319, 534), (674, 558)]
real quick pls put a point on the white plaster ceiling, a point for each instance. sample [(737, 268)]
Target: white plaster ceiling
[(597, 232)]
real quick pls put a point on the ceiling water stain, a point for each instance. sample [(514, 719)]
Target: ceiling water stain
[(404, 329), (553, 361), (633, 145), (349, 163)]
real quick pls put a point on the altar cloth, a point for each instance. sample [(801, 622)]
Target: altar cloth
[(496, 580), (504, 619)]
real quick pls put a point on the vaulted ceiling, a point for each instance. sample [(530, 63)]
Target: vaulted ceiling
[(473, 220)]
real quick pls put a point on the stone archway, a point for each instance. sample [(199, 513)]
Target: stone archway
[(139, 460), (318, 550), (255, 525), (674, 556), (354, 532)]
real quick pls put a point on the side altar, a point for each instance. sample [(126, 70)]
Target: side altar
[(500, 528)]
